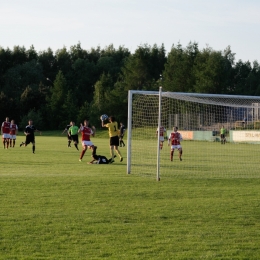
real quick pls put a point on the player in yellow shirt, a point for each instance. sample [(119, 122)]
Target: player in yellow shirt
[(113, 134)]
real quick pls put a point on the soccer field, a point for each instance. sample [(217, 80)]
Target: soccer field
[(54, 207)]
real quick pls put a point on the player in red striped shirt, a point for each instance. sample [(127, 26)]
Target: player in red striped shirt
[(162, 131), (5, 130), (86, 132), (175, 139), (13, 133)]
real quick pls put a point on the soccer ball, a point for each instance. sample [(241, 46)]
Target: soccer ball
[(104, 117)]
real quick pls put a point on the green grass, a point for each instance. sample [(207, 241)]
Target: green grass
[(54, 207)]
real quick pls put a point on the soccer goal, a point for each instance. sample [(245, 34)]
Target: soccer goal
[(199, 118)]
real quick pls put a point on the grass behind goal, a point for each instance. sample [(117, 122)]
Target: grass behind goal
[(200, 159), (54, 207)]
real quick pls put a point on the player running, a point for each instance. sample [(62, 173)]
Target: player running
[(29, 132), (86, 132), (175, 138)]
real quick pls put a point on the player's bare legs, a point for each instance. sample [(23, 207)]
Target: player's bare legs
[(112, 151), (161, 145), (172, 151), (33, 147), (12, 143), (118, 152), (5, 143), (84, 149), (180, 154)]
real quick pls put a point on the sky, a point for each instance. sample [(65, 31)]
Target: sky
[(131, 23)]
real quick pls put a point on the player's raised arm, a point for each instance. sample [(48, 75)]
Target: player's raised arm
[(36, 130), (169, 139)]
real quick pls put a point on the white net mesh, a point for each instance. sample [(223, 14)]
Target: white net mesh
[(199, 118)]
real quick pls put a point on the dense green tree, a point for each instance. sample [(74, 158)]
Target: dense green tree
[(35, 116), (210, 73), (33, 97), (112, 60), (19, 55), (4, 106), (84, 112), (5, 64), (101, 99), (178, 75), (49, 65), (138, 71), (68, 111), (55, 102), (76, 52), (82, 80), (96, 81), (241, 72), (20, 76), (63, 60)]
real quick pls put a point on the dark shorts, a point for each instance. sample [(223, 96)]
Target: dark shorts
[(114, 141), (69, 137), (75, 138), (222, 136), (29, 139)]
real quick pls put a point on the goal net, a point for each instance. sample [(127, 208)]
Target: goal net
[(199, 118)]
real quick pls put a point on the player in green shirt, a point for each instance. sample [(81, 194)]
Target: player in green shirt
[(73, 133), (223, 135)]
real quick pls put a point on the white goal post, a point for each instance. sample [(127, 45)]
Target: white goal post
[(199, 118)]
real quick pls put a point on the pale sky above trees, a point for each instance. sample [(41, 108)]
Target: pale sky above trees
[(130, 23)]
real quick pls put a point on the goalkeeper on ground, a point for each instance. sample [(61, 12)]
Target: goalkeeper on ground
[(99, 159)]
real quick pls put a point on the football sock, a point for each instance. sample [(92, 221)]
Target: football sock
[(180, 154), (76, 146), (171, 155), (33, 148), (118, 152), (82, 154)]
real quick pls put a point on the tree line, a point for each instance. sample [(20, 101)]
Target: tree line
[(75, 84)]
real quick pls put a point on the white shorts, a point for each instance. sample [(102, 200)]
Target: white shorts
[(6, 136), (177, 147), (161, 139), (87, 143), (13, 137)]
